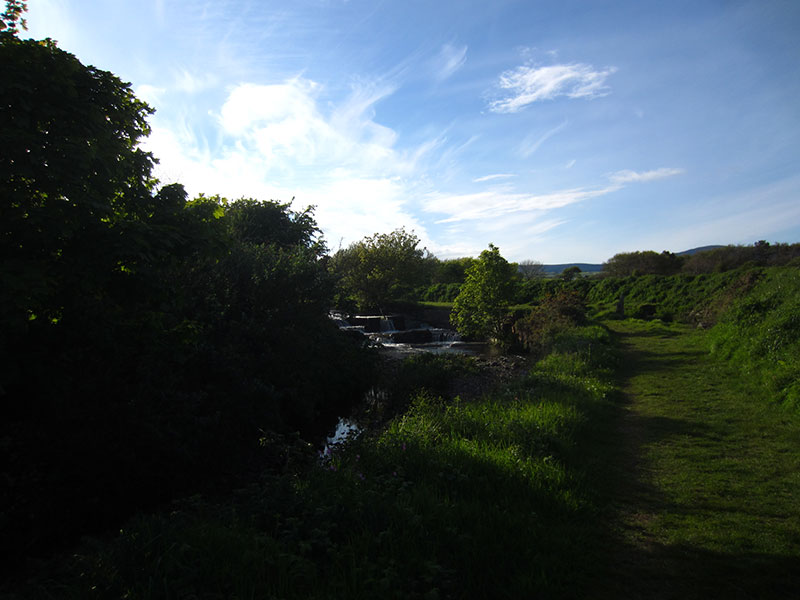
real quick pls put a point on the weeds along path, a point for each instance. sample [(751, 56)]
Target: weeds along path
[(704, 480)]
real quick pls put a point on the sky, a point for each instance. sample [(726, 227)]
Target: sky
[(560, 131)]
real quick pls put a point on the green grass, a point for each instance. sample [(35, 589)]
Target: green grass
[(437, 304), (707, 477)]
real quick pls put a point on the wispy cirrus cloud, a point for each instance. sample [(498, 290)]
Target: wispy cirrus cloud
[(449, 60), (532, 143), (499, 202), (502, 201), (527, 84), (492, 177), (628, 176)]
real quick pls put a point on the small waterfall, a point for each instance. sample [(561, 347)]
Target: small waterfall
[(443, 336), (399, 333)]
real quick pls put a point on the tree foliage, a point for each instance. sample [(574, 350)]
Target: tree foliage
[(11, 21), (481, 306), (571, 273), (381, 268), (642, 263), (726, 258), (147, 342), (453, 270), (555, 313)]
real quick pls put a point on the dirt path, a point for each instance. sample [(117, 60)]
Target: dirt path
[(704, 478)]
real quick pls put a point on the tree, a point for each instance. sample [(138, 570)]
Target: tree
[(480, 308), (571, 273), (72, 179), (11, 20), (531, 269), (147, 342), (645, 262), (452, 270), (381, 268)]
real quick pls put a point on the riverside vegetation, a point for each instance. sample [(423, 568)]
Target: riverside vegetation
[(637, 458), (164, 400)]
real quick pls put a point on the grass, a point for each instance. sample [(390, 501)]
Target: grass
[(707, 479)]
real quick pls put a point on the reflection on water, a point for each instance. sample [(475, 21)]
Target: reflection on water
[(345, 430)]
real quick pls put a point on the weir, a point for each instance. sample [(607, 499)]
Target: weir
[(402, 334)]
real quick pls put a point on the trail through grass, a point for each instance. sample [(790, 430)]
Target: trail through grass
[(704, 477)]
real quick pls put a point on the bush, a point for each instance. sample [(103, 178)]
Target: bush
[(556, 313)]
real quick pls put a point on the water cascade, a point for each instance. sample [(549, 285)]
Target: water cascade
[(401, 334)]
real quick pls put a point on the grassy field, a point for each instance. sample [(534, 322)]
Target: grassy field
[(705, 479)]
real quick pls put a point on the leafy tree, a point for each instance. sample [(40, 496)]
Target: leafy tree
[(147, 342), (647, 262), (570, 273), (453, 270), (381, 268), (11, 21), (481, 306)]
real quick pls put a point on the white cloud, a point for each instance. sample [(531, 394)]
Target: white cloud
[(150, 94), (192, 83), (628, 176), (493, 177), (450, 59), (499, 202), (531, 143), (496, 203), (277, 142), (527, 84)]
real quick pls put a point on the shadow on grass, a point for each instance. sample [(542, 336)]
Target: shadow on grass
[(679, 572), (638, 564)]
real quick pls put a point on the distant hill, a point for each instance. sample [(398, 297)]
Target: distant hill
[(594, 268), (696, 250)]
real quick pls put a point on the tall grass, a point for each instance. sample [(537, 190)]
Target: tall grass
[(760, 334)]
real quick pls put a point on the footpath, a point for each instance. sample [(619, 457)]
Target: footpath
[(703, 478)]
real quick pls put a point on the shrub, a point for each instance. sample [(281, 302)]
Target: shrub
[(556, 313)]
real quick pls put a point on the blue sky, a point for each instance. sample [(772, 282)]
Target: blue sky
[(559, 131)]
